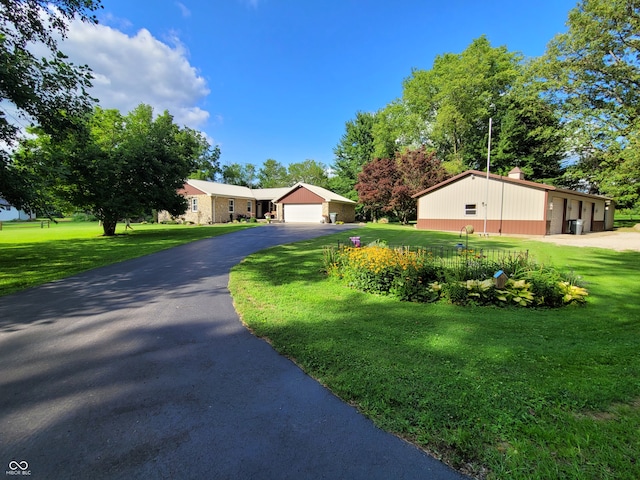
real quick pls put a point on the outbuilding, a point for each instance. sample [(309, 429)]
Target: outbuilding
[(510, 205), (9, 212)]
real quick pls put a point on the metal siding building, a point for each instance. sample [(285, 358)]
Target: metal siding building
[(509, 205)]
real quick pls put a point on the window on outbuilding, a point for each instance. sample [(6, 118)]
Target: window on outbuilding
[(194, 204), (231, 205), (470, 209)]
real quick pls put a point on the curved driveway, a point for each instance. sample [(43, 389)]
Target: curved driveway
[(142, 370)]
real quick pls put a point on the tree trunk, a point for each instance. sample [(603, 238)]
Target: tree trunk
[(109, 226)]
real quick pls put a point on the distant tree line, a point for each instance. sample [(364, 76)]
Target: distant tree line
[(272, 174), (568, 118)]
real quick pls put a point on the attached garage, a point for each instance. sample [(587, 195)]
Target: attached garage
[(302, 213), (305, 203)]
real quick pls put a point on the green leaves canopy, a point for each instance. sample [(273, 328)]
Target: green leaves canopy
[(48, 91), (354, 150), (592, 74), (448, 107), (117, 166), (459, 94), (308, 171), (273, 174), (237, 174)]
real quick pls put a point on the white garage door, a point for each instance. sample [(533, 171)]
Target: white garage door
[(295, 213)]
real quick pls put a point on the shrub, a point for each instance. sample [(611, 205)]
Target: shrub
[(455, 292), (416, 284), (544, 286), (465, 278), (83, 217)]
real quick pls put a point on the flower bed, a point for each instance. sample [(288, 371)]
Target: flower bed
[(460, 276)]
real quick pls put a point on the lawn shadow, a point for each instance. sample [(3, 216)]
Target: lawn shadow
[(30, 263), (185, 271), (473, 375)]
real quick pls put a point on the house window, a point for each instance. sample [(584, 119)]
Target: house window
[(248, 206), (194, 204), (231, 205), (470, 209)]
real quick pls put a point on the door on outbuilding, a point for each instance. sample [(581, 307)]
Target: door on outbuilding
[(557, 215), (302, 213)]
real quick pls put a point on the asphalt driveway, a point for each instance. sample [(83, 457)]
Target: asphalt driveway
[(142, 370)]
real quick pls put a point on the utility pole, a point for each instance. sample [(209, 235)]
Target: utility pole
[(486, 200)]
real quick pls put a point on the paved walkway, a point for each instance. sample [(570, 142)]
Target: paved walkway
[(142, 370)]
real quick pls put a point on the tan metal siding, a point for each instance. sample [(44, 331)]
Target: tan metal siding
[(513, 206), (598, 214), (506, 201), (449, 202), (573, 210), (519, 203)]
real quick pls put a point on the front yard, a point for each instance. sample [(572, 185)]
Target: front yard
[(32, 253), (500, 393)]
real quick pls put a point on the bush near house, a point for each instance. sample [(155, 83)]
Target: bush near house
[(461, 277)]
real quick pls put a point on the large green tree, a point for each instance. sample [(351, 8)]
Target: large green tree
[(529, 136), (240, 174), (592, 74), (308, 171), (208, 163), (456, 98), (448, 107), (354, 150), (116, 166), (48, 91), (398, 126), (273, 174)]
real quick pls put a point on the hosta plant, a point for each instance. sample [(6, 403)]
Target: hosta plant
[(572, 293), (517, 291)]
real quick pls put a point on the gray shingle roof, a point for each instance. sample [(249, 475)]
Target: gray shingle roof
[(224, 190)]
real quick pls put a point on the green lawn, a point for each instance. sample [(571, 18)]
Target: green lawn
[(503, 393), (626, 221), (31, 255)]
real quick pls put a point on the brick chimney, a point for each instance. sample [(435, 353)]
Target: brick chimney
[(517, 174)]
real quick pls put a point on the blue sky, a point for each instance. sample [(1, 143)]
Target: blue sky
[(279, 78)]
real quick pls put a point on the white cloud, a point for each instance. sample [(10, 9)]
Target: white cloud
[(130, 70), (186, 13), (110, 19)]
